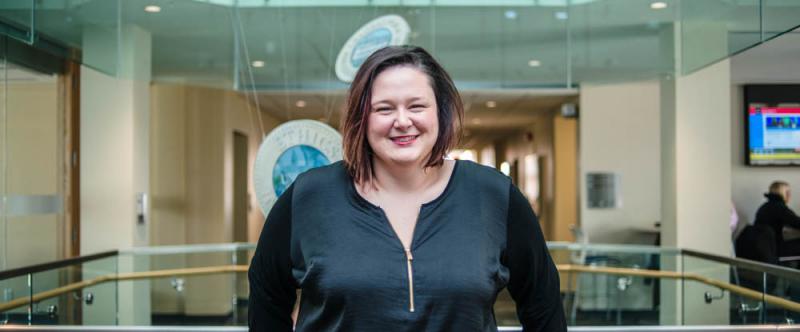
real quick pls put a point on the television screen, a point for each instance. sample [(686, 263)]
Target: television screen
[(774, 135)]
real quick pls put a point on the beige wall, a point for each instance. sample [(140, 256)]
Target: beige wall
[(32, 163), (620, 133), (191, 181), (33, 167)]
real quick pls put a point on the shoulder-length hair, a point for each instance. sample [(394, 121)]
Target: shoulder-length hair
[(356, 149)]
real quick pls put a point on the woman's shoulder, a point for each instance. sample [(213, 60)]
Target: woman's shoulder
[(475, 171), (333, 175), (483, 177)]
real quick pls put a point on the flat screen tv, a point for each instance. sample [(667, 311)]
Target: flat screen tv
[(772, 117)]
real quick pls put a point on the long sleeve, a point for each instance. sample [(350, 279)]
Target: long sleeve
[(789, 218), (533, 281), (272, 289)]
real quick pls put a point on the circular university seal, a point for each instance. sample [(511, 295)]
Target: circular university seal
[(381, 32), (290, 149)]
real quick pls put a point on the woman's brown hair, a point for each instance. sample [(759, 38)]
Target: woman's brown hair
[(356, 150)]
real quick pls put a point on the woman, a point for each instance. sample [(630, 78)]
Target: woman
[(395, 237)]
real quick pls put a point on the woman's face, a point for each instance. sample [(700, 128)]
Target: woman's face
[(403, 123)]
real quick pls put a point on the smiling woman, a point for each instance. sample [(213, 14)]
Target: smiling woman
[(395, 237)]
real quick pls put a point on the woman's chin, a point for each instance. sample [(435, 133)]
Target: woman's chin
[(404, 160)]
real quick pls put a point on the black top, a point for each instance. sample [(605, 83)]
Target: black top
[(775, 214), (479, 236)]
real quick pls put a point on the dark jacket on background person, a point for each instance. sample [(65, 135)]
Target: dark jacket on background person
[(775, 214), (478, 237)]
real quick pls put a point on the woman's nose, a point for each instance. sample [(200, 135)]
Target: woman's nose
[(402, 120)]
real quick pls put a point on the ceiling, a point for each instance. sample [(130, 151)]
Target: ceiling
[(484, 44), (487, 46)]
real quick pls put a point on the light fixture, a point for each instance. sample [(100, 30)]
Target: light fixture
[(152, 9), (258, 63), (491, 104), (300, 103), (534, 63), (658, 5), (561, 15), (511, 15)]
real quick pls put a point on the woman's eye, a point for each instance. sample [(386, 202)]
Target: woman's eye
[(417, 108), (383, 110)]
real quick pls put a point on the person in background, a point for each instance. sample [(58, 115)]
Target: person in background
[(776, 214)]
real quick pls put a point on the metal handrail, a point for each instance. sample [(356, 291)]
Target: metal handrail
[(742, 291), (188, 249), (776, 270), (55, 264), (613, 248)]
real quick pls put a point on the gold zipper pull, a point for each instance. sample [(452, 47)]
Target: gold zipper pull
[(409, 258)]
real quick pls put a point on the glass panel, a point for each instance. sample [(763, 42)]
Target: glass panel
[(711, 30), (92, 305), (703, 303), (101, 301), (64, 309), (90, 26), (16, 19), (609, 285), (747, 309), (619, 40), (782, 288), (206, 299), (243, 257), (3, 158), (15, 289), (780, 16), (187, 42), (32, 171)]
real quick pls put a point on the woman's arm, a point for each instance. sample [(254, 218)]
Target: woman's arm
[(533, 282), (272, 288)]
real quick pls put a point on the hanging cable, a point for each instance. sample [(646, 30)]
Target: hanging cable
[(243, 44)]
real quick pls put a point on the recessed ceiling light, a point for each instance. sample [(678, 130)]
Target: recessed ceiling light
[(300, 103), (152, 9), (561, 15), (534, 63), (258, 63), (491, 104), (658, 5), (511, 15)]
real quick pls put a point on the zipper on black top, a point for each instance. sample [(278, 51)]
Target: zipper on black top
[(410, 258)]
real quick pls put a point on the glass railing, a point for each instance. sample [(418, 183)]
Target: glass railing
[(206, 285)]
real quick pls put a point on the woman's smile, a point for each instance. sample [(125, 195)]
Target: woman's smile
[(404, 140)]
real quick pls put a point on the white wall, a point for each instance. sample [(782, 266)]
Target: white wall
[(114, 170), (107, 142), (620, 133), (696, 188)]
